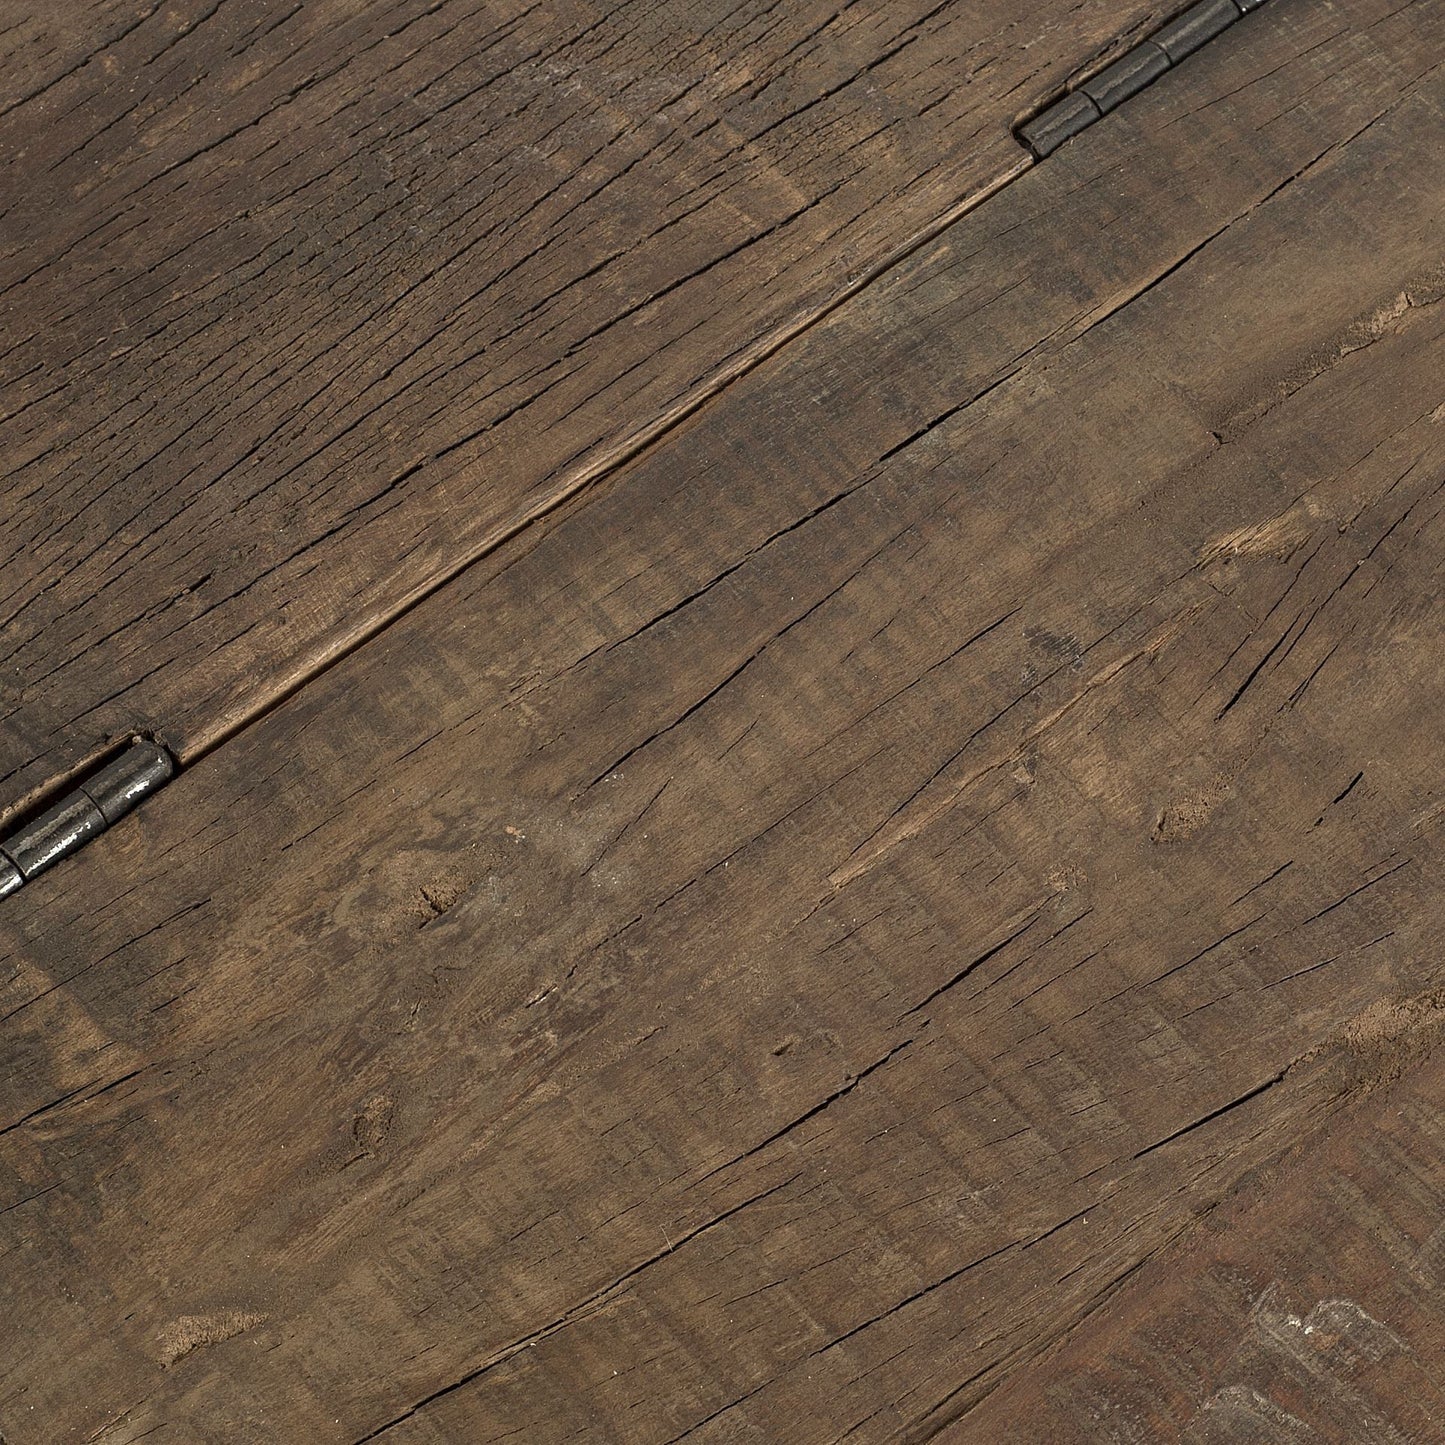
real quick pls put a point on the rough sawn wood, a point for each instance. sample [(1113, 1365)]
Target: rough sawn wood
[(305, 304), (768, 954)]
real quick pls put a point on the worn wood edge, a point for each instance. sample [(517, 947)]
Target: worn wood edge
[(952, 164), (189, 748), (582, 479), (192, 731)]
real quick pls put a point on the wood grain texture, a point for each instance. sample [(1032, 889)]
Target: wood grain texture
[(306, 304), (768, 953), (1306, 1308)]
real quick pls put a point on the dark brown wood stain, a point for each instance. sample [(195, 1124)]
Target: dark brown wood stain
[(910, 911)]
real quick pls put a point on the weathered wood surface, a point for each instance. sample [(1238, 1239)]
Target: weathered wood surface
[(1268, 1325), (768, 953), (306, 304)]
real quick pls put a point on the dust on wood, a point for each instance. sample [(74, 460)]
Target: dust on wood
[(1306, 1305)]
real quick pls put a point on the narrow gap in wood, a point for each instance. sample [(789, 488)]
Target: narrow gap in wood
[(39, 800), (335, 650)]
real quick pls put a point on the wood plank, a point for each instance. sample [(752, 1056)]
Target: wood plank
[(307, 304), (1307, 1307), (762, 956)]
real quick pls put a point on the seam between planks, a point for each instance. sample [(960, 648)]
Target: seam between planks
[(327, 654), (313, 664)]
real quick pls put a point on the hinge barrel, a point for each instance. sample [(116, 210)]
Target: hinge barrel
[(102, 799)]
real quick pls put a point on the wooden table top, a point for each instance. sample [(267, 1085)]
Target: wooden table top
[(810, 759)]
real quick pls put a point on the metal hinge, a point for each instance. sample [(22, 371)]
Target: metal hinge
[(1141, 66), (102, 799)]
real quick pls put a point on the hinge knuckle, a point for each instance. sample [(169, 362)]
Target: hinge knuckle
[(102, 799), (121, 784), (1137, 68)]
